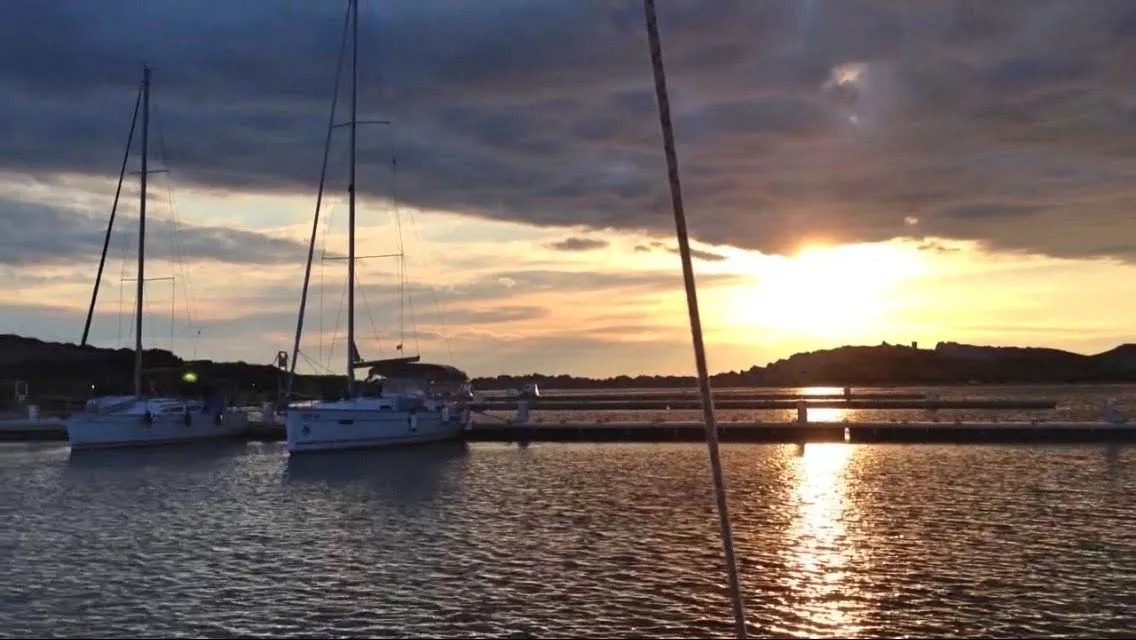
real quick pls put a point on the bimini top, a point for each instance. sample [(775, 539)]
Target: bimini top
[(410, 368)]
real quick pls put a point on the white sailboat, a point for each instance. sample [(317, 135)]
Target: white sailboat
[(140, 419), (402, 400)]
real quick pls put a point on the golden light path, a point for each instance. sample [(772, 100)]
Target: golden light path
[(820, 550)]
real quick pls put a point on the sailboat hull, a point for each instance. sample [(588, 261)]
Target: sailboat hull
[(132, 427), (310, 430)]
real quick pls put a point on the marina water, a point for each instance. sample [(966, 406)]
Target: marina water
[(569, 540)]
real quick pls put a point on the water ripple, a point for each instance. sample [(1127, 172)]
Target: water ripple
[(566, 541)]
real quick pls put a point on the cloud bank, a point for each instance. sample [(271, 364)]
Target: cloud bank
[(1010, 123)]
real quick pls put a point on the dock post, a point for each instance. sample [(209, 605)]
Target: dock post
[(1112, 413), (522, 412), (33, 412), (268, 413), (802, 412), (847, 393)]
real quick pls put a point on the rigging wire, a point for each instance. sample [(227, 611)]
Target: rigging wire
[(319, 198), (322, 279), (405, 287), (338, 317), (126, 237), (110, 223), (665, 124), (403, 284), (370, 317), (177, 260), (429, 285)]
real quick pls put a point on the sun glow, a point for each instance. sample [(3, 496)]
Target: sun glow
[(838, 293)]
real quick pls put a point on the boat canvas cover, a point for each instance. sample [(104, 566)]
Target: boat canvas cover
[(419, 370)]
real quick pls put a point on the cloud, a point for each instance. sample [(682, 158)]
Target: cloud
[(700, 254), (36, 234), (498, 315), (480, 324), (797, 121), (578, 244), (492, 287)]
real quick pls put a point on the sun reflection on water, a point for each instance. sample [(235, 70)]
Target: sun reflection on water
[(819, 548)]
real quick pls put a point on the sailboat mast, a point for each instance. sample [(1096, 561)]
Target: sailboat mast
[(141, 234), (351, 203)]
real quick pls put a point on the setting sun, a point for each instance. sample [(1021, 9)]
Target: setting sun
[(831, 292)]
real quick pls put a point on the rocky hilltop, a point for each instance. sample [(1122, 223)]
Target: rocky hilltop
[(949, 363)]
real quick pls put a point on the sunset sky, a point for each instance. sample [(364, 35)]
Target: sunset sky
[(855, 171)]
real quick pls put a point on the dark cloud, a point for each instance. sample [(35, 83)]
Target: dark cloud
[(699, 254), (578, 244), (35, 234), (828, 119), (936, 247)]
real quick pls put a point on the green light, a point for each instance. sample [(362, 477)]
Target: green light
[(189, 376)]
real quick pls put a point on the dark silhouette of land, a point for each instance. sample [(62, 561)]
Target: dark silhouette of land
[(59, 370)]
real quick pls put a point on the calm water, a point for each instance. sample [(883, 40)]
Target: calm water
[(566, 540)]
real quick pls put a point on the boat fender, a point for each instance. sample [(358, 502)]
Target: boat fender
[(147, 418), (218, 418), (186, 418)]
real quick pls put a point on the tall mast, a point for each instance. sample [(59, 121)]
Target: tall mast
[(141, 235), (351, 203)]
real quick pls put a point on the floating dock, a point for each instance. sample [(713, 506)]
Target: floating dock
[(809, 432), (719, 396), (32, 429), (547, 403), (1037, 432)]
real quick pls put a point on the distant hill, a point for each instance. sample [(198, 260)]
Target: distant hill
[(59, 370), (949, 363), (55, 371)]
